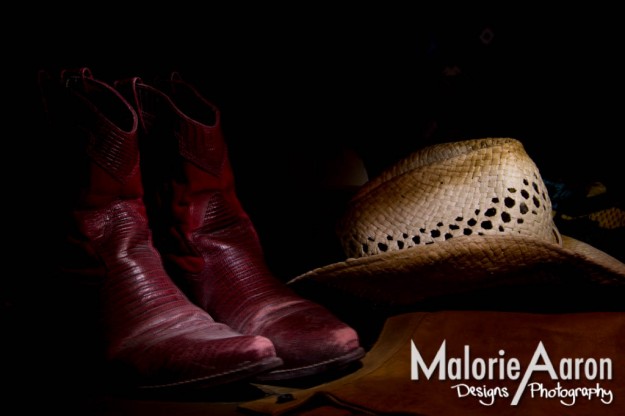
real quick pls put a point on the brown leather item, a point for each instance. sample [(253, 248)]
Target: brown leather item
[(154, 337), (209, 243), (384, 386)]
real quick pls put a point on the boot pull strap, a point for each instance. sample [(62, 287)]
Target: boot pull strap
[(128, 88), (175, 76), (68, 77), (83, 72), (73, 76)]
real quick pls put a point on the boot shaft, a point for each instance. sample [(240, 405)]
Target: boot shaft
[(189, 181), (182, 146), (95, 130)]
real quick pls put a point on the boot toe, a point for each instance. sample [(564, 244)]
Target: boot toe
[(310, 340)]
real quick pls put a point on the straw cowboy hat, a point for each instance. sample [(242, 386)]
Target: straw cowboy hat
[(454, 217)]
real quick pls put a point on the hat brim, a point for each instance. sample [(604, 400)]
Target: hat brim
[(405, 277)]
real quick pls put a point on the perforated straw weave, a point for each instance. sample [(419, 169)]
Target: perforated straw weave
[(455, 216)]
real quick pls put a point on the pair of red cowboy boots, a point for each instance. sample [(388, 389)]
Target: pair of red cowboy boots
[(154, 220)]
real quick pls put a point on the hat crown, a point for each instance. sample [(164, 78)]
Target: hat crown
[(462, 189)]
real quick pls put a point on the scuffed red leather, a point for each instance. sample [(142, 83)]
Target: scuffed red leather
[(210, 245), (155, 337)]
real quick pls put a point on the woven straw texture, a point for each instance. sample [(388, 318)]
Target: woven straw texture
[(479, 187), (453, 217)]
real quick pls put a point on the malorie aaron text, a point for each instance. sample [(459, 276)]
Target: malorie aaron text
[(468, 368)]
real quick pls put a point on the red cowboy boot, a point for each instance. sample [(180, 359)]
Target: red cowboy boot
[(210, 247), (154, 335)]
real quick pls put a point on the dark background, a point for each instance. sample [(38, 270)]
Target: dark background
[(299, 88)]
